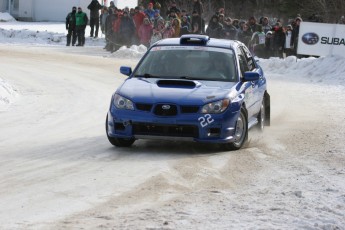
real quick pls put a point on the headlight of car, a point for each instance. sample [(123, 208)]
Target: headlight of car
[(216, 107), (123, 103)]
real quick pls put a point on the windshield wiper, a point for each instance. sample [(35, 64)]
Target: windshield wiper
[(190, 78), (146, 75)]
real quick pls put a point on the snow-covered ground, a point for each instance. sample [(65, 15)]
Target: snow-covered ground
[(58, 171)]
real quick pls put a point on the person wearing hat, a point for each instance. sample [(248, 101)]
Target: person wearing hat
[(81, 20), (215, 28), (173, 7), (295, 33), (268, 45), (112, 6), (138, 19), (126, 30), (185, 26), (253, 25), (198, 7), (229, 31), (278, 40), (288, 35), (70, 27), (198, 23), (266, 25), (150, 12), (94, 8)]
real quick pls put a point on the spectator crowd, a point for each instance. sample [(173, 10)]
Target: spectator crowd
[(145, 24)]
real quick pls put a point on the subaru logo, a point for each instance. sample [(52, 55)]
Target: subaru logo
[(166, 107), (310, 38)]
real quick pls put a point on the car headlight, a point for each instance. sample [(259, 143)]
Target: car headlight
[(216, 107), (123, 103)]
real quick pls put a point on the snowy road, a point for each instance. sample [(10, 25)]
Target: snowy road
[(58, 171)]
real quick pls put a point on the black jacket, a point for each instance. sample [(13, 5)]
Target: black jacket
[(70, 21), (94, 8)]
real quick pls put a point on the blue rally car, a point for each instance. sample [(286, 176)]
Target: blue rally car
[(192, 88)]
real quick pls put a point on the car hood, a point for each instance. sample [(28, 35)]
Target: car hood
[(153, 90)]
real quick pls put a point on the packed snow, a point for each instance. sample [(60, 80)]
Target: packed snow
[(58, 171)]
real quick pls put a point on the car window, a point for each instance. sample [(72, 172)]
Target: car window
[(200, 63), (242, 61), (250, 60)]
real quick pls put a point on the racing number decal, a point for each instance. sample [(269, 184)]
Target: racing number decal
[(205, 120)]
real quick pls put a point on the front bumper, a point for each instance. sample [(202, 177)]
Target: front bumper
[(213, 128)]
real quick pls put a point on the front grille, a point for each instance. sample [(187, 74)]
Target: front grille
[(165, 130), (165, 110), (143, 107), (189, 109)]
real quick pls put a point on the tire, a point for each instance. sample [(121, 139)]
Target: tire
[(262, 116), (241, 132), (118, 142)]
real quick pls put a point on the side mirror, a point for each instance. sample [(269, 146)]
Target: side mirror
[(126, 70), (251, 76)]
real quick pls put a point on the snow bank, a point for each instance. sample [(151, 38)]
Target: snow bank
[(6, 17), (134, 52), (30, 36), (329, 70)]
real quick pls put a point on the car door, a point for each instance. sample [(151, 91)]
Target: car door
[(247, 87), (256, 91)]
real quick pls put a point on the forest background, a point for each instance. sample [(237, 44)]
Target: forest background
[(328, 11)]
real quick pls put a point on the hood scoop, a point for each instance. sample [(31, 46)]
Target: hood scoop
[(178, 84)]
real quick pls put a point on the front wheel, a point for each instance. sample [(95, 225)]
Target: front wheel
[(241, 132), (116, 141)]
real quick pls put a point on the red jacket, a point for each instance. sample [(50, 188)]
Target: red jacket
[(138, 19)]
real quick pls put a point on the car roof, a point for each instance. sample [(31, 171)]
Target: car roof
[(199, 40)]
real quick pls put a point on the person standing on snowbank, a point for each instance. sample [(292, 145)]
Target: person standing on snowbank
[(70, 27), (81, 22), (94, 8)]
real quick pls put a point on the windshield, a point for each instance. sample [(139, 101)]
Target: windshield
[(190, 62)]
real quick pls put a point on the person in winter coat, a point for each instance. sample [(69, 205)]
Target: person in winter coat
[(158, 31), (185, 26), (198, 23), (127, 29), (198, 7), (269, 49), (150, 12), (108, 29), (156, 18), (295, 33), (138, 18), (81, 20), (103, 18), (253, 25), (71, 28), (94, 8), (265, 25), (145, 32), (288, 35), (278, 40), (169, 31), (257, 43), (173, 7), (229, 31), (214, 29), (112, 6), (245, 34), (176, 24), (116, 37)]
